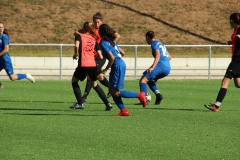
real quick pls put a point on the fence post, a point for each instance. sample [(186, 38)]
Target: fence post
[(209, 62), (135, 61), (60, 69)]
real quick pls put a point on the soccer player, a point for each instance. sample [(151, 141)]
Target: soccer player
[(97, 20), (233, 70), (5, 59), (86, 47), (159, 69), (110, 50)]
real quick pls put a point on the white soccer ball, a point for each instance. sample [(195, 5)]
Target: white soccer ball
[(149, 98)]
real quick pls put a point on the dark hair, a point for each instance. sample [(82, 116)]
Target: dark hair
[(98, 15), (235, 17), (5, 31), (150, 34), (89, 28), (107, 34)]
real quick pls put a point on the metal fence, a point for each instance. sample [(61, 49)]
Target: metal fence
[(209, 47)]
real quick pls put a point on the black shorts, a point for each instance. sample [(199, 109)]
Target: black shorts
[(82, 72), (100, 63), (233, 70)]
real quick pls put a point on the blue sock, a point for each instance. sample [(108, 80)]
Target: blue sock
[(21, 76), (128, 94), (143, 88), (152, 86), (119, 102)]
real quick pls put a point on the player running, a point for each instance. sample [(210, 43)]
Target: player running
[(233, 70), (5, 59), (110, 50), (159, 69)]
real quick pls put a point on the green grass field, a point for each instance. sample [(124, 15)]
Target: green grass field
[(36, 123)]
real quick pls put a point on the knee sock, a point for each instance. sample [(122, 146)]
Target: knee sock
[(21, 76), (221, 94), (88, 88), (128, 94), (77, 92), (143, 88), (101, 94), (105, 82), (152, 86), (119, 102)]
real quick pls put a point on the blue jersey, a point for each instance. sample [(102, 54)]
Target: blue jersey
[(5, 60), (163, 67), (156, 45), (107, 47), (4, 40), (118, 68)]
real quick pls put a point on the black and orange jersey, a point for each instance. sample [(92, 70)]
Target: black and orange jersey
[(87, 48)]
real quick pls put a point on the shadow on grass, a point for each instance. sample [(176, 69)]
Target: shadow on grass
[(34, 101), (56, 114), (173, 109)]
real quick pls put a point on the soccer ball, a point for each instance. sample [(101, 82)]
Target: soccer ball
[(149, 98)]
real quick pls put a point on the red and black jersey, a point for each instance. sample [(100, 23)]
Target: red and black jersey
[(87, 48), (236, 44)]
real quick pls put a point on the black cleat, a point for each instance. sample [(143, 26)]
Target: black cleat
[(109, 107), (77, 106), (159, 98)]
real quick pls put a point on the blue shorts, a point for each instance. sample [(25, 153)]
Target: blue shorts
[(160, 71), (7, 65), (117, 75)]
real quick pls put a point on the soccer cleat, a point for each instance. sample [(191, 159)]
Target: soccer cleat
[(109, 95), (212, 107), (30, 78), (142, 98), (125, 113), (84, 100), (159, 98), (1, 86), (77, 106), (109, 107)]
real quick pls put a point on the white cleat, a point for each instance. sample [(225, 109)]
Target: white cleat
[(30, 78)]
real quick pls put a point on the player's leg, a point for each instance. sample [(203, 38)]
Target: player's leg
[(237, 82), (10, 72), (152, 85), (88, 88), (93, 76), (101, 78), (221, 94), (102, 95), (79, 74), (118, 101)]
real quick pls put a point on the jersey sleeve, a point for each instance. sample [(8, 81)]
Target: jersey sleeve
[(5, 40), (97, 47), (78, 38), (105, 46)]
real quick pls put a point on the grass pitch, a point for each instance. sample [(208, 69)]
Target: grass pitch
[(36, 123)]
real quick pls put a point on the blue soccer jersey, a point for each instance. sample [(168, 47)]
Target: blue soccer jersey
[(156, 45), (163, 67), (118, 68), (5, 60)]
